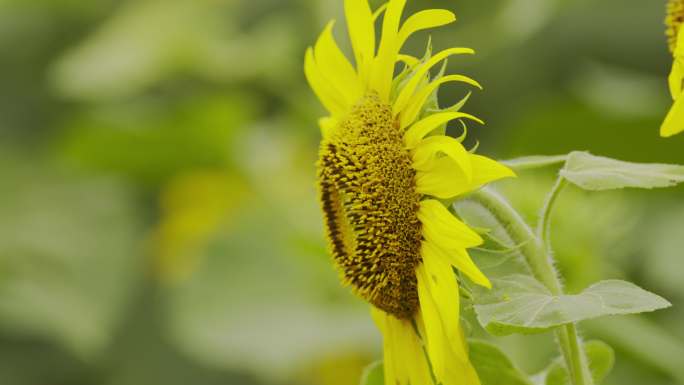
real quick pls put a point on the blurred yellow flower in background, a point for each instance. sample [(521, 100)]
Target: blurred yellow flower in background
[(384, 163), (193, 207), (674, 121)]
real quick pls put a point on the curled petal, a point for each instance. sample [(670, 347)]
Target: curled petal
[(430, 18), (379, 11), (409, 114), (429, 148), (423, 127), (410, 61), (410, 87)]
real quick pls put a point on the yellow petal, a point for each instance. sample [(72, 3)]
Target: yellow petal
[(414, 359), (335, 67), (676, 77), (327, 125), (423, 127), (487, 170), (410, 113), (410, 61), (679, 46), (361, 33), (443, 180), (674, 121), (460, 259), (446, 180), (404, 360), (383, 67), (398, 352), (328, 96), (459, 370), (425, 153), (389, 360), (443, 228), (677, 72), (378, 317), (379, 11), (430, 18), (434, 334), (410, 87), (460, 373), (439, 306), (444, 290)]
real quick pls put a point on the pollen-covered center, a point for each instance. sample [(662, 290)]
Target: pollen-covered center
[(673, 21), (367, 189)]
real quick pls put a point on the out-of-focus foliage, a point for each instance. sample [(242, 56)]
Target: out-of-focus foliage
[(70, 256), (159, 221)]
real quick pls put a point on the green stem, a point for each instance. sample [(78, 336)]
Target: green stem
[(571, 345), (537, 251), (544, 225), (531, 247), (576, 358)]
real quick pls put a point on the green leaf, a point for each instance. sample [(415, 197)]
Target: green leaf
[(534, 161), (601, 359), (493, 366), (373, 374), (521, 304), (598, 173)]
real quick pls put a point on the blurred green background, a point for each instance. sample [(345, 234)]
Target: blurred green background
[(158, 214)]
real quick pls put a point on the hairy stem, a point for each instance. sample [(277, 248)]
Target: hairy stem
[(538, 253), (544, 225), (531, 246), (571, 345)]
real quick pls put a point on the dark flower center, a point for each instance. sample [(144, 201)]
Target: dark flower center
[(367, 192), (673, 21)]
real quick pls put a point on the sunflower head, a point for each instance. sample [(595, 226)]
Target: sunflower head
[(674, 121), (673, 22), (384, 166), (384, 152)]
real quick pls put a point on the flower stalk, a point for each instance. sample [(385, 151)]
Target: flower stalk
[(538, 253)]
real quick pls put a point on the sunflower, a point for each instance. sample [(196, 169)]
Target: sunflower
[(674, 121), (385, 167)]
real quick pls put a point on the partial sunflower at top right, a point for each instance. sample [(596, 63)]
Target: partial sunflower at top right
[(674, 121)]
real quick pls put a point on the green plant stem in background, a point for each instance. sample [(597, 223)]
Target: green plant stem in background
[(575, 357), (537, 251), (574, 354), (544, 225), (531, 246)]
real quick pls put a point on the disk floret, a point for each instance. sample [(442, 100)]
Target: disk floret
[(673, 22)]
